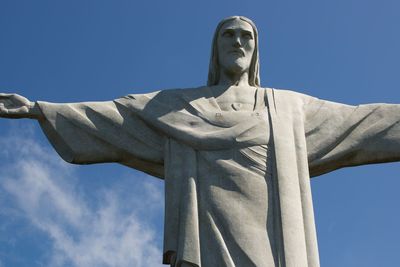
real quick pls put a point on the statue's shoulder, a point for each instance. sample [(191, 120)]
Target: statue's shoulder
[(285, 95), (175, 98), (193, 91), (187, 94), (285, 92), (170, 95)]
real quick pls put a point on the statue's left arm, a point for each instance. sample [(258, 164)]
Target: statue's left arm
[(339, 135)]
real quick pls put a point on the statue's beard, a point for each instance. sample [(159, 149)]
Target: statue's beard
[(235, 66)]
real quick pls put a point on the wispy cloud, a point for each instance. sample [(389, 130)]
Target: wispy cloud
[(116, 231)]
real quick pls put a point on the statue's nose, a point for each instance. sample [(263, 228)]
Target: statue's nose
[(237, 42)]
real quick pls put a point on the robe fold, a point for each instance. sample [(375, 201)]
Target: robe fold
[(237, 188)]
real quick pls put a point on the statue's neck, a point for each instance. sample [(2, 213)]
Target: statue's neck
[(234, 79)]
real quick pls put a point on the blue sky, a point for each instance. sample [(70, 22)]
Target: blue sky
[(56, 214)]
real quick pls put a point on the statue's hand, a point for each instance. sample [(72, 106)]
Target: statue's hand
[(17, 107)]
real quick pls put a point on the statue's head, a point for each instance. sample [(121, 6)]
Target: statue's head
[(235, 49)]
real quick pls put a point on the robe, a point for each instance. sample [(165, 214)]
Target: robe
[(237, 187)]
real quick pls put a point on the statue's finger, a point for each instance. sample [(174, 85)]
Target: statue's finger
[(5, 96), (16, 113), (3, 110)]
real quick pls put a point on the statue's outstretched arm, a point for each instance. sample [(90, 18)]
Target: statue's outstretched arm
[(14, 106), (93, 132), (341, 135)]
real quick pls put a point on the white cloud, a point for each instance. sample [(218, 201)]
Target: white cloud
[(114, 232)]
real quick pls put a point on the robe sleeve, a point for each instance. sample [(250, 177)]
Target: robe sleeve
[(339, 135), (97, 132)]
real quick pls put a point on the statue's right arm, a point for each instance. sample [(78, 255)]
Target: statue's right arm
[(14, 106), (93, 132)]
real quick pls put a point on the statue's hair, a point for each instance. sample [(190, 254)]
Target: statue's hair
[(214, 69)]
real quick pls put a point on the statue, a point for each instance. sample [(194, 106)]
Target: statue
[(236, 158)]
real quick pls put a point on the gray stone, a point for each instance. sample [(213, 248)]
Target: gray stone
[(236, 158)]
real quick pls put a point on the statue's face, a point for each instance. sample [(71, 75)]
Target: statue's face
[(235, 46)]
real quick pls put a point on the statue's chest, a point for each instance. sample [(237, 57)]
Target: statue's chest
[(233, 101), (258, 118)]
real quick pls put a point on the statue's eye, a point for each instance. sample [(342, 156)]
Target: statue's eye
[(227, 34), (247, 35)]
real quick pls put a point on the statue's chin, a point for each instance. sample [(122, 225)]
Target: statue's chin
[(235, 67)]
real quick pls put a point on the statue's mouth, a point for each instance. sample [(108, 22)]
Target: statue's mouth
[(237, 52)]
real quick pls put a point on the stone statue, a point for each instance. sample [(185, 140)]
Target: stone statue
[(236, 158)]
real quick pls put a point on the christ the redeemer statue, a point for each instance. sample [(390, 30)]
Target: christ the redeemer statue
[(236, 158)]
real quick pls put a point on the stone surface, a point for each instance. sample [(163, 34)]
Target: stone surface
[(236, 158)]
